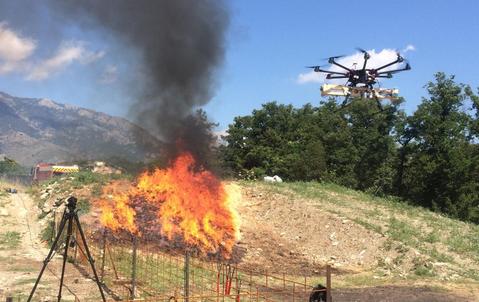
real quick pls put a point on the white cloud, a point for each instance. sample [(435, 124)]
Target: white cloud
[(109, 75), (90, 56), (14, 49), (409, 47), (355, 60), (67, 53)]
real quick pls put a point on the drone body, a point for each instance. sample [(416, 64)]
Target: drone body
[(360, 82)]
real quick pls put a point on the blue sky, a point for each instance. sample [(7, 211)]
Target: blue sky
[(269, 43)]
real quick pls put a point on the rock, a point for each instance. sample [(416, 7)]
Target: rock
[(44, 195), (3, 212), (335, 243), (345, 221)]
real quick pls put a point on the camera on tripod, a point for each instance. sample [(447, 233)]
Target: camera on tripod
[(71, 203), (69, 219)]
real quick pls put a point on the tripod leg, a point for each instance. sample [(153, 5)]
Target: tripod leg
[(47, 259), (65, 254), (90, 259)]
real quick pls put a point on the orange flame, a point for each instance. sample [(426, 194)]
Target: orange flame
[(192, 205), (116, 211)]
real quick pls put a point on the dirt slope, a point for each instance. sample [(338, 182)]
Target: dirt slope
[(288, 235), (294, 229), (21, 262)]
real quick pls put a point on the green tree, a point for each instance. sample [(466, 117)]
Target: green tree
[(9, 166), (438, 168), (371, 132), (276, 139)]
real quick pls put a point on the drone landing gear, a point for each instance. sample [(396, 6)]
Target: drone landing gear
[(69, 217)]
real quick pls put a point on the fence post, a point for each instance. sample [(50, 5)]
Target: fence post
[(133, 269), (187, 275), (103, 255), (328, 283)]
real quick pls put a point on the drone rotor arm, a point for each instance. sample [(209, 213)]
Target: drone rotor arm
[(366, 58), (336, 72), (389, 64), (395, 70), (328, 71), (338, 77), (365, 62), (332, 61)]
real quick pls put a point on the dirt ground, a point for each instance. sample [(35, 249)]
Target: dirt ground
[(284, 235), (398, 294), (19, 266)]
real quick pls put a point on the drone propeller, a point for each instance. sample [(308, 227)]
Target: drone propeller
[(361, 50), (366, 54), (316, 68), (335, 57), (400, 57), (331, 59)]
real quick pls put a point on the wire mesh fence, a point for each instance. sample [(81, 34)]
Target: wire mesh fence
[(136, 270)]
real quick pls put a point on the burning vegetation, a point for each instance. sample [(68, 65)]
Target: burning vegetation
[(183, 203)]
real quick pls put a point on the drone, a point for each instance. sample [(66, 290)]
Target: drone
[(360, 82)]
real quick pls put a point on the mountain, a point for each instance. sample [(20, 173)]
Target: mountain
[(33, 130)]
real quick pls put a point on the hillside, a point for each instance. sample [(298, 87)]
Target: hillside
[(371, 242), (33, 130), (379, 248)]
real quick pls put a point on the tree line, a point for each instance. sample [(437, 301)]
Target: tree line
[(430, 158)]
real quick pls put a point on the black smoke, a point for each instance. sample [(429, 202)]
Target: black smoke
[(180, 45)]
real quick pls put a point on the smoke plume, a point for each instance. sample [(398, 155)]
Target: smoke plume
[(180, 45)]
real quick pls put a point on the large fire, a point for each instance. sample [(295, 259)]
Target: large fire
[(189, 204)]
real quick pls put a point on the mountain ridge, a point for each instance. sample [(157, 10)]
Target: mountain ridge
[(39, 129)]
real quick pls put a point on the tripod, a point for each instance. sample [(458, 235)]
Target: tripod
[(69, 216)]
